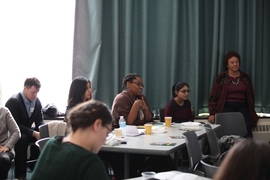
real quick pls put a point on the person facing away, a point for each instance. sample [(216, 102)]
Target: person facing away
[(74, 156), (179, 107), (25, 107), (131, 103), (247, 160), (232, 91), (9, 135)]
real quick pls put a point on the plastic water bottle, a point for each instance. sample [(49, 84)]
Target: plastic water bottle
[(122, 125)]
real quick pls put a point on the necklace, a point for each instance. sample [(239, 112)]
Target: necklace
[(236, 83)]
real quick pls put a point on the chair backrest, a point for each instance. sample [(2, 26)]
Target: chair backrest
[(41, 143), (193, 148), (213, 143), (44, 131), (209, 170), (207, 125), (232, 123), (53, 128), (161, 114)]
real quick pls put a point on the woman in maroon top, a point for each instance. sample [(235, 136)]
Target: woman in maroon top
[(179, 108), (232, 91)]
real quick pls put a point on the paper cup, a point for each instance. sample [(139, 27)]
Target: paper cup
[(118, 132), (168, 121), (148, 128)]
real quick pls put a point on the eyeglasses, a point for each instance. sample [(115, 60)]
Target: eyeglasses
[(109, 129), (139, 84), (185, 91)]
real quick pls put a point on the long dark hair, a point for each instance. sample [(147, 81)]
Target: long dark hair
[(85, 114), (77, 90)]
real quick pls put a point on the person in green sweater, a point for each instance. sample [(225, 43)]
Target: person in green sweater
[(74, 156)]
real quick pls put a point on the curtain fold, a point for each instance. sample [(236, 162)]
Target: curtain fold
[(166, 41)]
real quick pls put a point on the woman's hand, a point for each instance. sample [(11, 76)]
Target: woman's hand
[(143, 105), (211, 119), (4, 149)]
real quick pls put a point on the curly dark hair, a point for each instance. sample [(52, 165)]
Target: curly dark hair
[(229, 55), (129, 78)]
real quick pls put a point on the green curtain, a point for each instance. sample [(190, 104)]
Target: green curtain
[(166, 41)]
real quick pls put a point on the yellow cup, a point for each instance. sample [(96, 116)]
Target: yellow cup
[(118, 132), (168, 121), (148, 128)]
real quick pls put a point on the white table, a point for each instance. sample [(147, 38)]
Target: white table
[(141, 144), (167, 175)]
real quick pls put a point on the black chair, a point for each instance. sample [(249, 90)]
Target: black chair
[(215, 151), (194, 152), (232, 123), (161, 114), (209, 170), (41, 143)]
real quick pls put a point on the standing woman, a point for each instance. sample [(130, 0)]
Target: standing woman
[(232, 91), (131, 103), (179, 108)]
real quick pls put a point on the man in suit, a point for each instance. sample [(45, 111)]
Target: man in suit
[(26, 110)]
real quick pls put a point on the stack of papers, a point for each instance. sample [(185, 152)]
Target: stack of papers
[(131, 130), (190, 126)]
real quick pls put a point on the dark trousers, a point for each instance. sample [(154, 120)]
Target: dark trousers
[(137, 163), (5, 163), (21, 154), (242, 108)]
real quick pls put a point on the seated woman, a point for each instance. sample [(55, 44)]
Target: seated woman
[(74, 156), (131, 103), (7, 142), (179, 108), (79, 91)]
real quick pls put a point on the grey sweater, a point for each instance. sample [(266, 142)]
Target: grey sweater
[(9, 130)]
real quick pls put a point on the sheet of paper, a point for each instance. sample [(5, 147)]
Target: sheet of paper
[(162, 144), (176, 137)]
